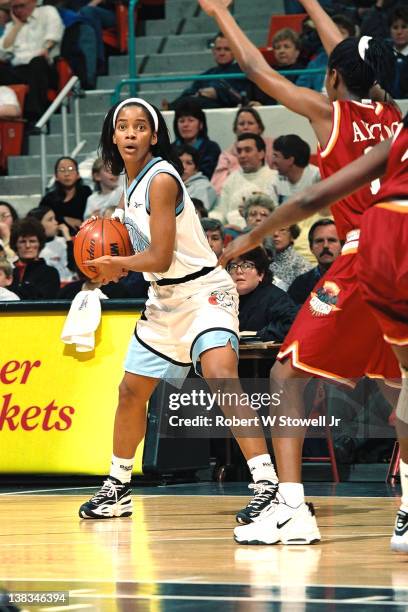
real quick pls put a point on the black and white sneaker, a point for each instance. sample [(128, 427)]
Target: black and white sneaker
[(112, 500), (264, 494), (399, 540)]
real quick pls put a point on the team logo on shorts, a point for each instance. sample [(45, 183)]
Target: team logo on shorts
[(324, 300), (221, 298)]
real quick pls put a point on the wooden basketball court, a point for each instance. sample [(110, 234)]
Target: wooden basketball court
[(177, 552)]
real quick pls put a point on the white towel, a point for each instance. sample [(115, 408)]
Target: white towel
[(83, 319)]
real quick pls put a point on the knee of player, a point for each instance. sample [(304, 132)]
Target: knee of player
[(127, 396), (282, 372)]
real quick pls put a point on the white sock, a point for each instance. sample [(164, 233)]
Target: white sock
[(261, 468), (121, 469), (292, 492), (404, 485)]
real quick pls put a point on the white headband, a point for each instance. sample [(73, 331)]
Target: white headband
[(363, 45), (142, 102)]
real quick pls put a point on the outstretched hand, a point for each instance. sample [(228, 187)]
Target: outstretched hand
[(110, 269), (210, 6), (240, 245)]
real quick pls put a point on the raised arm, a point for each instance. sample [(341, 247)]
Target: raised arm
[(329, 33), (304, 204), (301, 100)]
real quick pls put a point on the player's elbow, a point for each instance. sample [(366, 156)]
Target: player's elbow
[(164, 263)]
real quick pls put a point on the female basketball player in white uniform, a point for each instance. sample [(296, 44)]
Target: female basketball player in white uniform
[(191, 312)]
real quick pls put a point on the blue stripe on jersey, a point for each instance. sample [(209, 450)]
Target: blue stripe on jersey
[(141, 174), (179, 206)]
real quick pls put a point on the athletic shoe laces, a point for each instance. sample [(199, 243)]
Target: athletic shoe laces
[(108, 489), (263, 493)]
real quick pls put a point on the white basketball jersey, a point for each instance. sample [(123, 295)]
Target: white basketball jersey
[(191, 250)]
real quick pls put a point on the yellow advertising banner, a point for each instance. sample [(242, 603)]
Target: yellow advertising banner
[(57, 406)]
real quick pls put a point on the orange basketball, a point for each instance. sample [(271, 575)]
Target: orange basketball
[(100, 237)]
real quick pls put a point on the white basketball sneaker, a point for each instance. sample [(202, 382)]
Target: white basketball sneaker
[(399, 540), (281, 523)]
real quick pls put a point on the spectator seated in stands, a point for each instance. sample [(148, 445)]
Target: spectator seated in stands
[(197, 184), (291, 157), (399, 35), (374, 17), (216, 93), (8, 216), (215, 234), (286, 46), (6, 279), (287, 263), (9, 105), (68, 196), (319, 57), (107, 191), (79, 43), (32, 278), (258, 207), (326, 247), (28, 46), (58, 250), (99, 14), (190, 127), (252, 175), (263, 307), (246, 120)]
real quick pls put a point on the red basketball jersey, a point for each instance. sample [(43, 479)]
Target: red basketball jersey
[(394, 184), (357, 127)]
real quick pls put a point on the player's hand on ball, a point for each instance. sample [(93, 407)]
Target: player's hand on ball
[(110, 269), (87, 221), (210, 6)]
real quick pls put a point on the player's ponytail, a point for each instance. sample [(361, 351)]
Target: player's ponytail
[(363, 63), (107, 150), (380, 57), (406, 121)]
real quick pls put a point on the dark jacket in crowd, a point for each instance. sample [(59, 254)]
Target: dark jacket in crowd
[(267, 310), (230, 92), (303, 284), (72, 208), (257, 95), (35, 280), (209, 152)]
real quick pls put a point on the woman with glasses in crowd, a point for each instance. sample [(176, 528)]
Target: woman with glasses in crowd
[(263, 307), (69, 195)]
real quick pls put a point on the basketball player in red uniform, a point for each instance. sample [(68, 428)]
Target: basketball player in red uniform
[(381, 262), (335, 335)]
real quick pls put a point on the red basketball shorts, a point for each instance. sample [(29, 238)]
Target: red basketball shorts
[(336, 335), (382, 268)]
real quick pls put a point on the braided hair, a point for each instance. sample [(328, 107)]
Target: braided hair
[(359, 75)]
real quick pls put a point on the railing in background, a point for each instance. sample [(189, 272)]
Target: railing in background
[(71, 89), (134, 81), (132, 46)]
